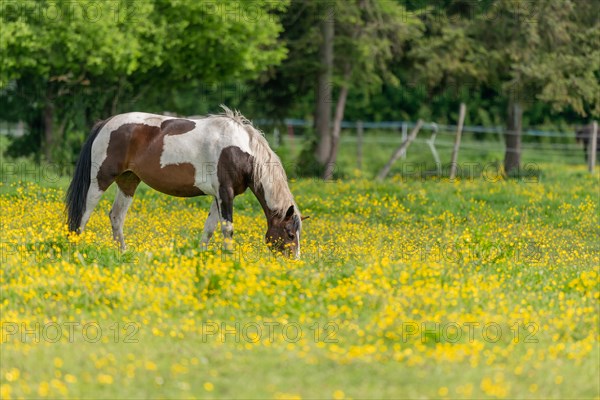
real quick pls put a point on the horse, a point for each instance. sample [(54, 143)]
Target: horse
[(583, 134), (218, 155)]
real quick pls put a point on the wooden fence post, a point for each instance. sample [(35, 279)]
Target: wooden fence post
[(386, 169), (359, 144), (459, 128), (592, 147), (290, 133), (512, 155)]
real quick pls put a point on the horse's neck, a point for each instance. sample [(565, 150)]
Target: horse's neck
[(259, 192)]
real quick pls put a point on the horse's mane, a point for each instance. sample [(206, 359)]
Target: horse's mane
[(267, 169)]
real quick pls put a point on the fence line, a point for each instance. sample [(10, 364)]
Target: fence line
[(566, 148), (19, 128), (442, 128), (561, 145), (574, 151), (528, 146)]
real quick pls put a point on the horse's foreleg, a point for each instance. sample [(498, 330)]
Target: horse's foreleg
[(211, 222), (227, 217), (117, 216)]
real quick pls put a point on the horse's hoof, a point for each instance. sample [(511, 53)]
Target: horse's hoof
[(228, 246)]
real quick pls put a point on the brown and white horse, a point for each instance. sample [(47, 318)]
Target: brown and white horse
[(217, 155)]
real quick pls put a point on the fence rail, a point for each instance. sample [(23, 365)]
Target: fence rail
[(558, 146), (561, 145), (398, 125)]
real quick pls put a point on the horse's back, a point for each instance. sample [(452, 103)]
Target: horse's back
[(177, 156), (209, 131)]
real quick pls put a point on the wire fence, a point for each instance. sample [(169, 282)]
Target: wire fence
[(536, 145)]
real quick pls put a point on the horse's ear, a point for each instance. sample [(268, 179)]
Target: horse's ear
[(289, 212), (303, 218)]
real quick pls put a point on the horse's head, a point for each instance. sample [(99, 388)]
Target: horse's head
[(283, 234), (582, 134)]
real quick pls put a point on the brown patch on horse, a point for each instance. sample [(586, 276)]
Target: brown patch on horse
[(118, 153), (177, 126), (234, 169), (128, 182), (137, 148)]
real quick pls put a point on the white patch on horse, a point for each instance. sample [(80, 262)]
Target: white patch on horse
[(202, 146)]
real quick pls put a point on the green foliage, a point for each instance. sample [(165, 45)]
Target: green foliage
[(525, 52), (83, 60), (94, 59), (482, 53)]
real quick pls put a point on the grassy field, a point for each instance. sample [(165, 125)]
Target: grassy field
[(411, 288)]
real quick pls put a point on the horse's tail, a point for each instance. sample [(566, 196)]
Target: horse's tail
[(78, 189)]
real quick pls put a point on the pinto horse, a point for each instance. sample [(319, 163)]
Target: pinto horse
[(218, 155)]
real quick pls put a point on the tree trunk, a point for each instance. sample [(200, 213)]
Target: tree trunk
[(512, 155), (323, 95), (337, 126), (48, 130)]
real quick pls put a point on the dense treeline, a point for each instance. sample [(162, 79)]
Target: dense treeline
[(66, 64)]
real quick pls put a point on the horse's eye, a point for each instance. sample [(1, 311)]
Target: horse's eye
[(291, 236)]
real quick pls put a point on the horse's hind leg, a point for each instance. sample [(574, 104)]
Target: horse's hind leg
[(127, 183), (117, 216), (92, 198)]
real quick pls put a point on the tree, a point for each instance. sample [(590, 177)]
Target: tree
[(73, 60), (336, 48), (323, 91), (370, 34), (52, 53), (524, 52)]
